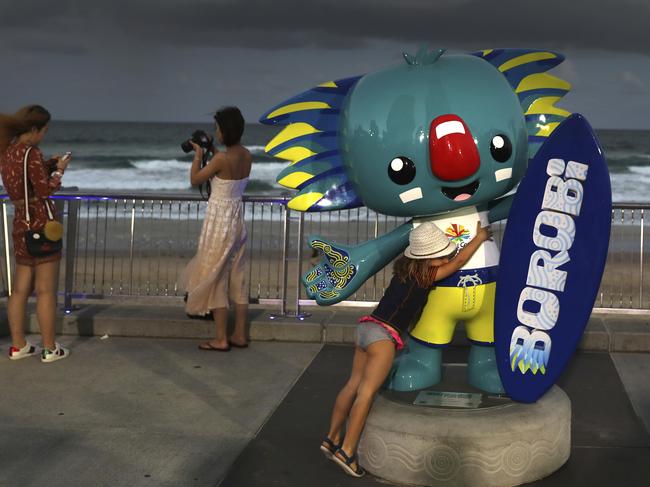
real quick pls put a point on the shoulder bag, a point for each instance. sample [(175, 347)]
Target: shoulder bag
[(47, 240)]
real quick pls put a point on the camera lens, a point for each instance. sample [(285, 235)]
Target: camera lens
[(200, 138)]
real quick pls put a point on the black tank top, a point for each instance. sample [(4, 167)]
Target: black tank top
[(402, 304)]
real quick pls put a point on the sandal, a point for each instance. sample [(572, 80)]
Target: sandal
[(206, 346), (329, 448), (346, 463)]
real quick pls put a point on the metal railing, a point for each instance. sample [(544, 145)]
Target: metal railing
[(136, 245)]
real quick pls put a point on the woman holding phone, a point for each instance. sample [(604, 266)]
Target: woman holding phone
[(20, 135)]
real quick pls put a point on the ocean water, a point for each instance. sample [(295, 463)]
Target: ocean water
[(148, 157)]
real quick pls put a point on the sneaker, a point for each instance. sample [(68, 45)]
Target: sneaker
[(17, 353), (58, 353)]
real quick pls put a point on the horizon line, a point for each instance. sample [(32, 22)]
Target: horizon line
[(169, 122), (138, 121)]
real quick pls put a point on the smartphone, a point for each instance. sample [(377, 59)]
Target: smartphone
[(66, 156)]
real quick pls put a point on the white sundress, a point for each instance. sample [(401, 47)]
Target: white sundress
[(217, 271)]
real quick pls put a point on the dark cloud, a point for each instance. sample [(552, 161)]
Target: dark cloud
[(176, 60), (339, 24), (58, 47)]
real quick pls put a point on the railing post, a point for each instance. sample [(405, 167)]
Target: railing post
[(286, 235), (641, 264), (70, 253), (299, 263), (301, 236), (286, 227), (131, 242)]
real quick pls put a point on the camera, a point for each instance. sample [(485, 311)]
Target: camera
[(200, 138)]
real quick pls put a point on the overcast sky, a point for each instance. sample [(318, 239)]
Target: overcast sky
[(177, 60)]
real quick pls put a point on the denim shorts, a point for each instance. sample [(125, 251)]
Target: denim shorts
[(369, 333)]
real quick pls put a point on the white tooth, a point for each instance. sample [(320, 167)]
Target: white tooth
[(411, 195), (502, 174), (451, 127)]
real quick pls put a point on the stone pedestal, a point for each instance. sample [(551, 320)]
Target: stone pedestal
[(501, 443)]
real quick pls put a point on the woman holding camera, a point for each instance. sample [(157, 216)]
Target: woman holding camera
[(216, 274), (20, 156)]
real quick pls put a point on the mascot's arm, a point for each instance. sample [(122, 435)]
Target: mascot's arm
[(344, 269), (499, 209)]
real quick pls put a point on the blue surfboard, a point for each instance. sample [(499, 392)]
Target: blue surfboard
[(552, 259)]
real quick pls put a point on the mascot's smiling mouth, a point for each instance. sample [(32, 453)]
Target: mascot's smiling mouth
[(462, 193)]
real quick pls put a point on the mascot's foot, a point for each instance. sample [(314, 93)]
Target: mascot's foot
[(418, 367), (482, 370)]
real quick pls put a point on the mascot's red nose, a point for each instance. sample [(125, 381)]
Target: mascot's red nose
[(452, 150)]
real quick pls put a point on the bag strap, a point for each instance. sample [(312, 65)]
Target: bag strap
[(46, 201)]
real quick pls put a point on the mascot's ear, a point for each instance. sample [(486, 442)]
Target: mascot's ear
[(311, 142), (525, 70)]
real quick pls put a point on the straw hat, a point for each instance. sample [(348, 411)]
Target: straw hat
[(427, 241)]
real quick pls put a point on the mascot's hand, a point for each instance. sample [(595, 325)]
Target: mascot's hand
[(336, 276)]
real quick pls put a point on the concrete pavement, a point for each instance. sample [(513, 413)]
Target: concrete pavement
[(335, 324), (140, 410)]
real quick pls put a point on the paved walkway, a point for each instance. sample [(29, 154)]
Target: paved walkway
[(146, 411), (138, 412), (334, 324)]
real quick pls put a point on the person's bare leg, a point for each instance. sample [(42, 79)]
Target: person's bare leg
[(46, 283), (238, 292), (378, 364), (17, 303), (238, 336), (220, 316), (346, 397)]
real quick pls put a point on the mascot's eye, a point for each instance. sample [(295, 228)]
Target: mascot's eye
[(500, 148), (401, 170)]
